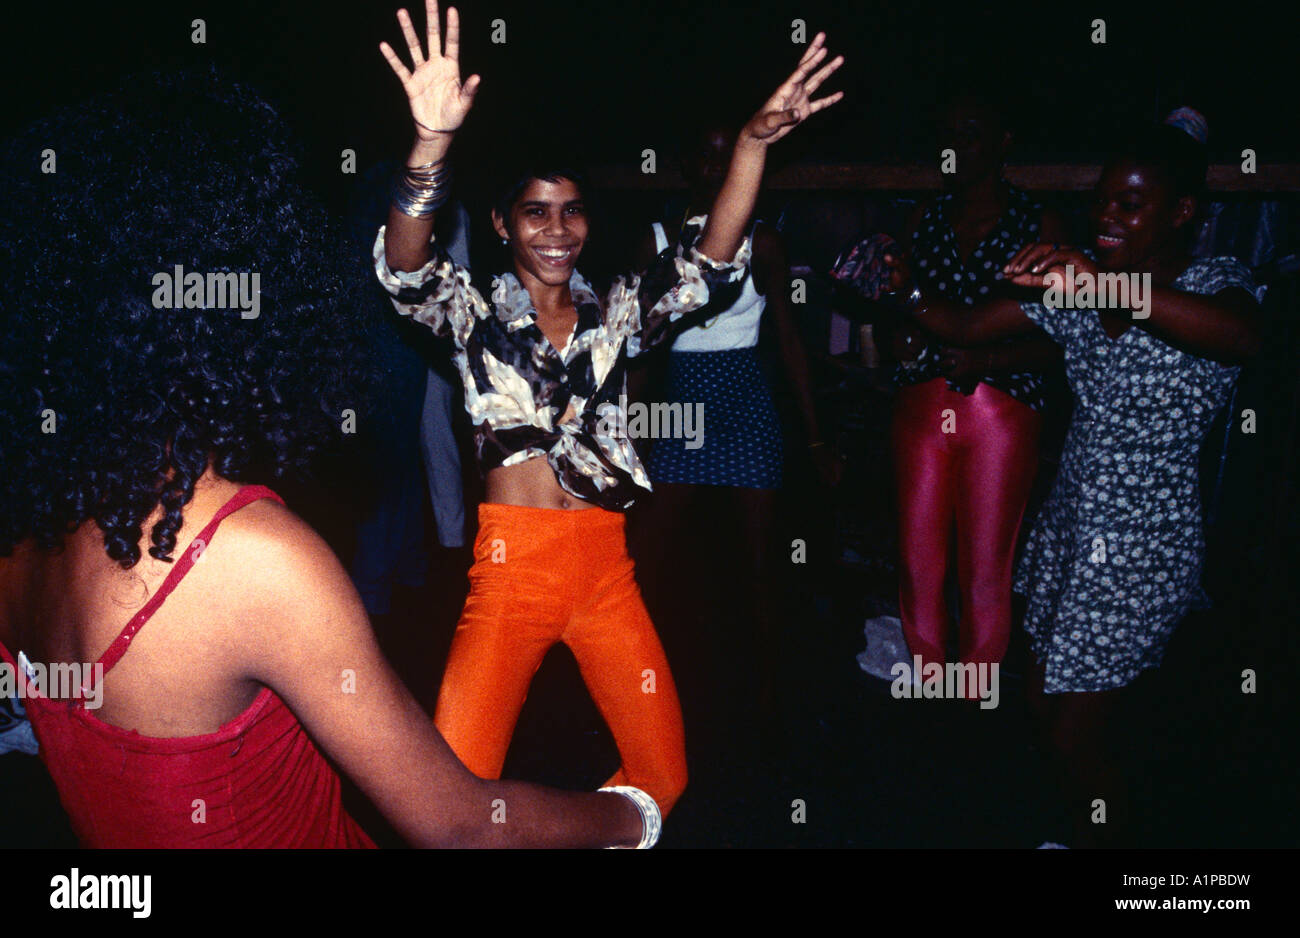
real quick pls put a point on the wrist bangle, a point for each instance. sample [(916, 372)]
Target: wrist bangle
[(651, 820), (421, 190), (432, 130)]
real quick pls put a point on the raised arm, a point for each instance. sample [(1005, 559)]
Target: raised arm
[(786, 109), (686, 289), (439, 103)]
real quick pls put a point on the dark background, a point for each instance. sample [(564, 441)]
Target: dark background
[(611, 79), (614, 77)]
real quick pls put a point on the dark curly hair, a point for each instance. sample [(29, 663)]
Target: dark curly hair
[(172, 168)]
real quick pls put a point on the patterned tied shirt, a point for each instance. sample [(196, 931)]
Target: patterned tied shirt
[(525, 397)]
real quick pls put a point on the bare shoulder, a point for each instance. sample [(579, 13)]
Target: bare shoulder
[(262, 537), (282, 586)]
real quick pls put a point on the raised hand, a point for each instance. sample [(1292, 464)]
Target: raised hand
[(792, 103), (439, 101), (788, 107)]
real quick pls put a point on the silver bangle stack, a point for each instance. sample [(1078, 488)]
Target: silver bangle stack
[(651, 821), (422, 190)]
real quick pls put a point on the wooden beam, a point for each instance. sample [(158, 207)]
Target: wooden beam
[(1051, 177)]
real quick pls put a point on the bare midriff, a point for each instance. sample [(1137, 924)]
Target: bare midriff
[(531, 484)]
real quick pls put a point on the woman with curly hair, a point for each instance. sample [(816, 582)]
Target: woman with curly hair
[(141, 415), (544, 371)]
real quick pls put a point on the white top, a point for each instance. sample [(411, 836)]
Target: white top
[(734, 328)]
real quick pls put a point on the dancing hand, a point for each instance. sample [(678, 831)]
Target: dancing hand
[(439, 101), (791, 104), (1035, 264)]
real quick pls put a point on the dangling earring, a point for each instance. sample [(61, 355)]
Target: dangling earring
[(505, 240)]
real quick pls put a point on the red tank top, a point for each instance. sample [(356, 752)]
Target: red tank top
[(258, 781)]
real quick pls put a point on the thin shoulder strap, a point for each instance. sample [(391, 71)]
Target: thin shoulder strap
[(247, 494)]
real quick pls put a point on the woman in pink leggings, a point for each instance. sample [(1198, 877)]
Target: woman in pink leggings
[(966, 421)]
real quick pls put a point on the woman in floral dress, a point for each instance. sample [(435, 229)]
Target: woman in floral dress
[(1114, 559)]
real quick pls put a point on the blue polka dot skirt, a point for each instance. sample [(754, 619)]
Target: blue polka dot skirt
[(741, 443)]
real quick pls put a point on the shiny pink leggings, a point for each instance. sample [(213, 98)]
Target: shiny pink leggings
[(963, 462)]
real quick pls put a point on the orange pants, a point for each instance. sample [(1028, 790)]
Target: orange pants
[(542, 576)]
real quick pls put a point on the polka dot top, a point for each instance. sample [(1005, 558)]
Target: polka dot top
[(938, 266)]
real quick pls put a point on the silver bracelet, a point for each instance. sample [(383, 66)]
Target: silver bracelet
[(420, 195), (422, 190), (651, 821)]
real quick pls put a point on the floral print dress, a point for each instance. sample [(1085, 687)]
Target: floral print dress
[(1114, 559)]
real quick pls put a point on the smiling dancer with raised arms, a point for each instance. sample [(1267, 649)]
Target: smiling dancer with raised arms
[(543, 363)]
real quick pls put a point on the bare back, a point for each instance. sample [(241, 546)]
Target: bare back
[(179, 678)]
